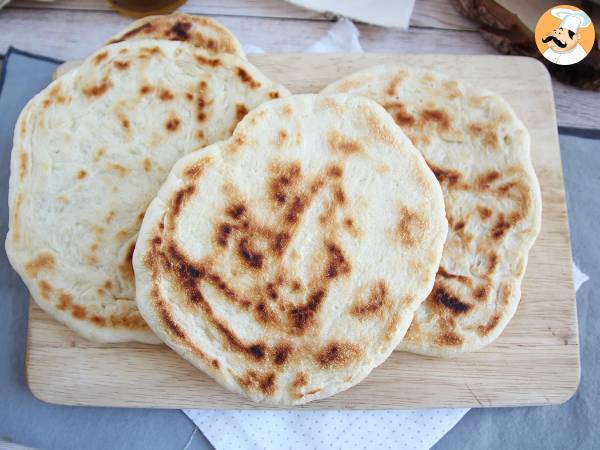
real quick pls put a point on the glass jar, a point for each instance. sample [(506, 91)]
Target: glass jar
[(141, 8)]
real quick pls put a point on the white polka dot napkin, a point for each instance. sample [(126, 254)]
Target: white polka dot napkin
[(348, 430), (303, 430)]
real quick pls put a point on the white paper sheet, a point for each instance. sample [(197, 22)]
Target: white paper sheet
[(387, 13)]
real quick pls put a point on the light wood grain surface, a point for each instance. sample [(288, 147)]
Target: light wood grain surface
[(69, 29), (535, 361)]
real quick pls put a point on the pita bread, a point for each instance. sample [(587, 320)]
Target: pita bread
[(199, 31), (287, 262), (479, 151), (90, 152)]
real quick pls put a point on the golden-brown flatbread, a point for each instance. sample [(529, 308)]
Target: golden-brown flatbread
[(287, 262), (479, 152), (201, 32), (90, 152)]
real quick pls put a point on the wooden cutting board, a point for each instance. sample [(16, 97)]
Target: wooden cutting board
[(535, 361)]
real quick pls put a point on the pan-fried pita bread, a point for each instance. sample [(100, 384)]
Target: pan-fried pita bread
[(90, 152), (287, 262), (199, 31), (479, 151)]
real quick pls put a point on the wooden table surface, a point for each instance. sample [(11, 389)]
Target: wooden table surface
[(71, 29)]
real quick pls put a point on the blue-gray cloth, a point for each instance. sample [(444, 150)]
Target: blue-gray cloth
[(23, 418), (28, 421)]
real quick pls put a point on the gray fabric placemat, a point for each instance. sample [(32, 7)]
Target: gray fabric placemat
[(23, 418), (576, 423)]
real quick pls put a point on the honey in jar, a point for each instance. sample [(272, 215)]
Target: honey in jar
[(141, 8)]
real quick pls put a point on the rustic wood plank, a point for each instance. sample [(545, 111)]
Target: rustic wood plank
[(74, 34), (427, 13), (535, 361)]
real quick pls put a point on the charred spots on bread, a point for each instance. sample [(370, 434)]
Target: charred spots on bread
[(166, 95), (23, 160), (283, 181), (236, 210), (492, 262), (146, 89), (97, 320), (375, 303), (78, 312), (223, 232), (271, 290), (281, 354), (439, 117), (246, 78), (506, 292), (240, 111), (45, 289), (401, 116), (172, 124), (411, 227), (43, 261), (211, 62), (54, 96), (300, 380), (202, 102), (249, 256), (188, 277), (187, 273), (295, 209), (147, 52), (443, 273), (100, 57), (484, 330), (180, 31), (146, 28), (98, 90), (481, 293), (196, 170), (442, 297), (459, 226), (282, 137), (338, 195), (485, 180), (65, 301), (336, 355), (449, 339), (121, 65), (218, 283), (484, 212), (446, 176), (302, 316), (485, 132), (257, 351), (395, 82), (126, 265), (500, 227), (335, 171), (392, 325), (337, 263), (338, 143), (169, 322), (258, 381), (280, 242), (180, 197), (264, 314)]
